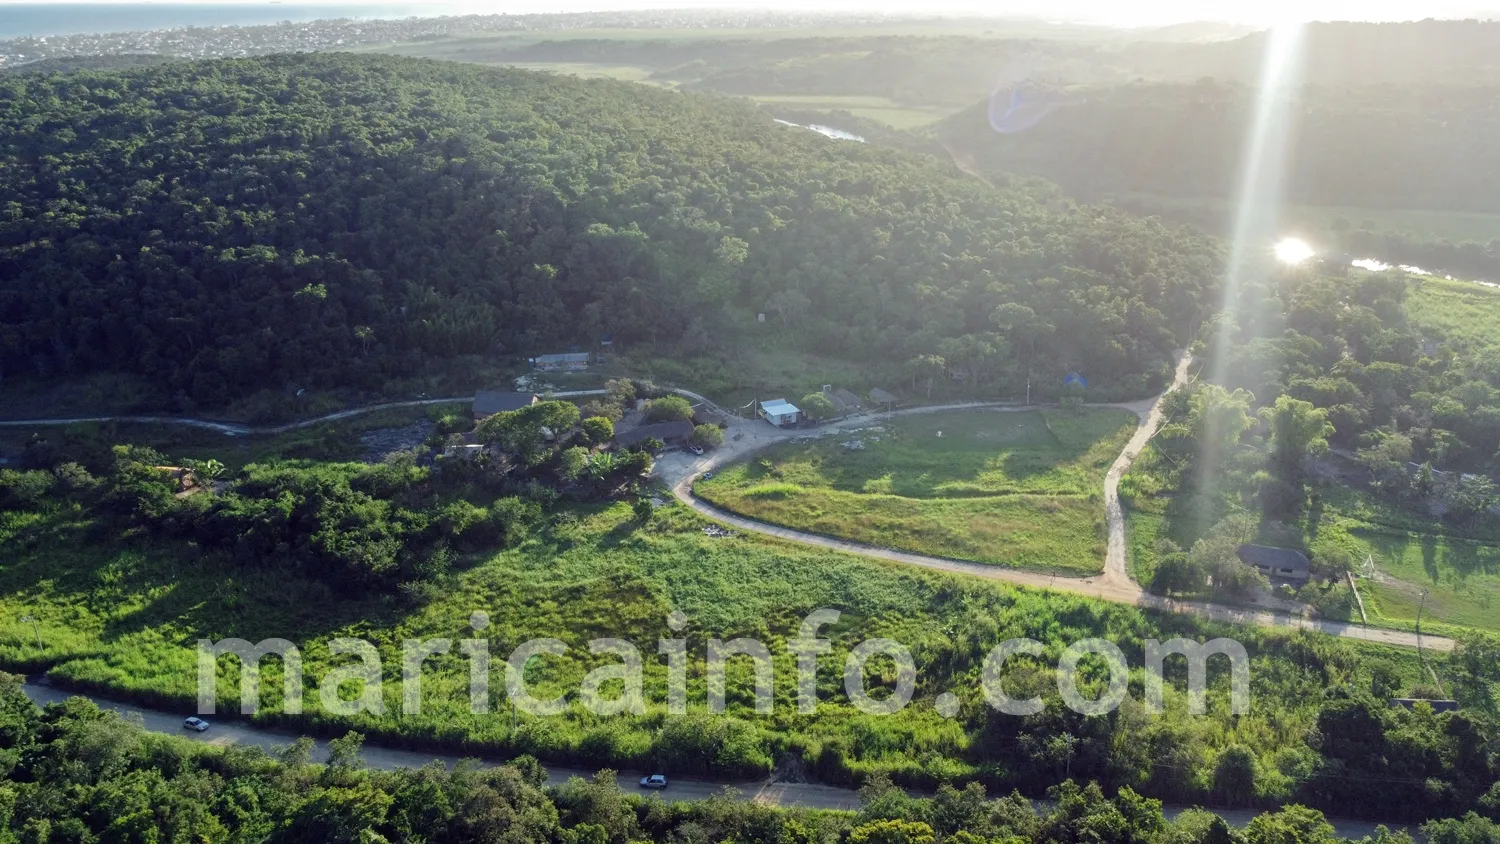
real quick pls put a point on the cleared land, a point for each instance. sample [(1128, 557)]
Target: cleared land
[(1016, 489), (1461, 312)]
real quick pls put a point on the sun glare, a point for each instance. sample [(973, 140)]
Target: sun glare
[(1290, 250)]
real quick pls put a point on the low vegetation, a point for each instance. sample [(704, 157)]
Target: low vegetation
[(1015, 488), (75, 773)]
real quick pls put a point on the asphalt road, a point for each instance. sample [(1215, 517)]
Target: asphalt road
[(224, 733)]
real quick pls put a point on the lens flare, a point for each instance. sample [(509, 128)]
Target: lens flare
[(1290, 250)]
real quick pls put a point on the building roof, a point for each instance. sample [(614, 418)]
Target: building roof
[(1437, 705), (778, 407), (843, 400), (664, 431), (1275, 558), (569, 357), (880, 396), (491, 402)]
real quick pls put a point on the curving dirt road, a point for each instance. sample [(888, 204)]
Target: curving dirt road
[(679, 470), (1114, 583)]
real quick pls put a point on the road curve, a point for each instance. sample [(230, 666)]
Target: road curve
[(1112, 584)]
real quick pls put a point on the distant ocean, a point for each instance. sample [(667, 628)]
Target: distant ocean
[(18, 20)]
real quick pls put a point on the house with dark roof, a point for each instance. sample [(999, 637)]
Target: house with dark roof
[(844, 402), (491, 402), (879, 396), (671, 433), (1277, 563), (569, 362)]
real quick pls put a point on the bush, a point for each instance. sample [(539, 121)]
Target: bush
[(669, 409), (708, 436), (597, 430), (23, 490)]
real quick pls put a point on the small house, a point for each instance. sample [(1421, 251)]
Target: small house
[(490, 402), (569, 362), (844, 402), (879, 396), (780, 412), (671, 433), (1277, 563), (1437, 705)]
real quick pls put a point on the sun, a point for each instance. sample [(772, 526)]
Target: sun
[(1290, 250)]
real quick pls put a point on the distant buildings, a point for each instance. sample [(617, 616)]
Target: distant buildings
[(780, 412)]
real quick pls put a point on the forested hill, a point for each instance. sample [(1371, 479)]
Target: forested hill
[(336, 220)]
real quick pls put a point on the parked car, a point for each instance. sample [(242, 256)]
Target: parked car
[(697, 449), (195, 724), (655, 781)]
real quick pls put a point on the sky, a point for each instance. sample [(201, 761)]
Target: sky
[(1115, 12)]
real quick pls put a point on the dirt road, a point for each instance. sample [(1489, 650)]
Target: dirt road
[(1113, 583)]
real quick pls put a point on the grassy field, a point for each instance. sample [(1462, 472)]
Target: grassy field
[(1459, 311), (1460, 574), (1017, 489), (889, 112)]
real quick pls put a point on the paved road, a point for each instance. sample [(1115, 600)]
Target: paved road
[(784, 794), (680, 470)]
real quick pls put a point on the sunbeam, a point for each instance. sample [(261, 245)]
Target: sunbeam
[(1258, 199)]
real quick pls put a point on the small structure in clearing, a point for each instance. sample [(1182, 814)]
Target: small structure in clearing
[(569, 362), (1437, 705), (1277, 563), (780, 412)]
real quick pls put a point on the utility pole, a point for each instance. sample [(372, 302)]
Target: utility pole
[(1420, 606), (1068, 739), (35, 629)]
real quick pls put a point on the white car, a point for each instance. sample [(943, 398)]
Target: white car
[(195, 724), (655, 781), (697, 449)]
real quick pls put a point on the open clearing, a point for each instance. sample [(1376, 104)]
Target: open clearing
[(1012, 488), (1460, 312)]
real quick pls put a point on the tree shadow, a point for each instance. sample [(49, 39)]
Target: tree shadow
[(1430, 556)]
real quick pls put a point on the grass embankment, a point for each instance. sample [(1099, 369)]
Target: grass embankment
[(1019, 489)]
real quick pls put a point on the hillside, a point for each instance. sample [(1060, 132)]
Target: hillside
[(319, 221), (1370, 147)]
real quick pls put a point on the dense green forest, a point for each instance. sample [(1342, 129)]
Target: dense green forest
[(315, 221), (74, 773)]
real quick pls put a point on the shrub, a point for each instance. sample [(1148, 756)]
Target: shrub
[(669, 409), (597, 430), (708, 436)]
